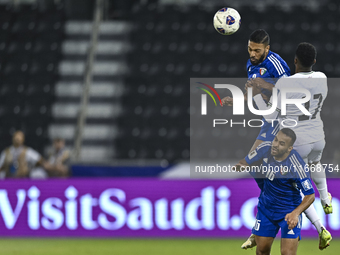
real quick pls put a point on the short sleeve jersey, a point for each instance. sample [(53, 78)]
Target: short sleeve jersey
[(308, 129), (273, 66), (282, 181)]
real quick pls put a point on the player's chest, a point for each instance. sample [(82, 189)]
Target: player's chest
[(258, 71), (275, 172)]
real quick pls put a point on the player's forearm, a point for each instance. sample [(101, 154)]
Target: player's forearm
[(264, 85), (242, 164), (306, 202), (263, 106)]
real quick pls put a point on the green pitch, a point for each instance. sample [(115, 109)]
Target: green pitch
[(147, 247)]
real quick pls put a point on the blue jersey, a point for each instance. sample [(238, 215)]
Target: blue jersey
[(271, 68), (281, 181)]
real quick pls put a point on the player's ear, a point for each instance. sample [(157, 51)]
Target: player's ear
[(295, 61), (290, 148), (267, 48), (314, 61)]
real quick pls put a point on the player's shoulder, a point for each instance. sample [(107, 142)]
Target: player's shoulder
[(276, 64), (318, 74), (295, 158), (261, 151), (264, 146), (297, 164), (275, 59), (313, 74)]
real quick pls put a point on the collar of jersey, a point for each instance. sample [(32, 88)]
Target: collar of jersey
[(305, 73)]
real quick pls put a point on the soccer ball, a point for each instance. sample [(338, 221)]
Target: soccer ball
[(227, 21)]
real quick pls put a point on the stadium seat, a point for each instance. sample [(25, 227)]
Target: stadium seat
[(30, 45), (173, 53)]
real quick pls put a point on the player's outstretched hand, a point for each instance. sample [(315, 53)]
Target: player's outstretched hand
[(228, 101), (240, 167), (292, 219), (249, 84)]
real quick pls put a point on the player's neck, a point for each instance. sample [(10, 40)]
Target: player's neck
[(303, 70), (282, 157)]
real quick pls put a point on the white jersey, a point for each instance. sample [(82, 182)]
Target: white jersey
[(309, 129)]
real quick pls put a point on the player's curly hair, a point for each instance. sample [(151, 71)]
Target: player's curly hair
[(260, 36), (306, 53), (290, 133)]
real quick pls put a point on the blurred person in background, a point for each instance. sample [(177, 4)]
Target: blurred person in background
[(58, 160), (19, 160)]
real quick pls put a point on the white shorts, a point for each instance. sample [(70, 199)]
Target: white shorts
[(311, 152)]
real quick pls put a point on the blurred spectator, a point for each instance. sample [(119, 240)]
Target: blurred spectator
[(18, 160), (58, 160)]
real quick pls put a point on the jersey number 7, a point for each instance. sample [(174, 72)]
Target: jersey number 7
[(305, 117)]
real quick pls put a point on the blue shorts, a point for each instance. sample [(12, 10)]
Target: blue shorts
[(264, 226), (268, 131)]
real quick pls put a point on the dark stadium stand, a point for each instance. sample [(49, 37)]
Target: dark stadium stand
[(172, 44), (30, 43)]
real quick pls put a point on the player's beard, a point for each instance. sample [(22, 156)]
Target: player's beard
[(278, 153), (256, 62)]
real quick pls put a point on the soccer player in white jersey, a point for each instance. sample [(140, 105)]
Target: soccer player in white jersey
[(309, 128)]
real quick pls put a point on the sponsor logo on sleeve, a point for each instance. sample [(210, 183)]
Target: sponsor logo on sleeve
[(306, 185), (252, 154)]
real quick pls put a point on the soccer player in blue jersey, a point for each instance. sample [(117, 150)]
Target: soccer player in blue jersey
[(309, 130), (263, 63), (280, 204)]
